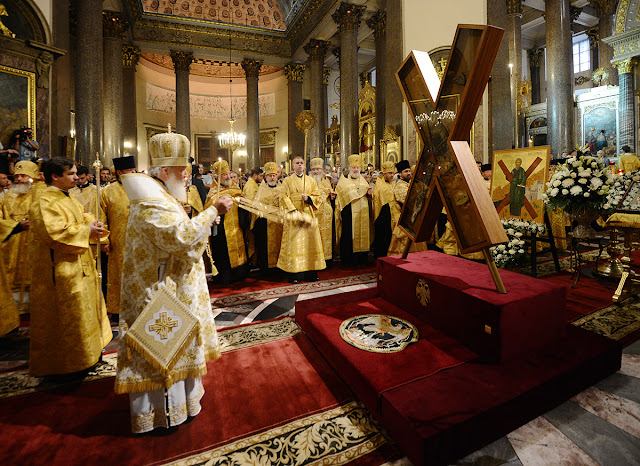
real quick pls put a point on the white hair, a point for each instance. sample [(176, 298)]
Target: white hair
[(154, 171)]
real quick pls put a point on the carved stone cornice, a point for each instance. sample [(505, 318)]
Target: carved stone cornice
[(604, 7), (251, 67), (316, 49), (326, 71), (348, 16), (378, 22), (514, 7), (113, 25), (294, 72), (130, 55), (535, 56), (594, 36), (625, 45), (181, 60), (574, 12), (625, 66)]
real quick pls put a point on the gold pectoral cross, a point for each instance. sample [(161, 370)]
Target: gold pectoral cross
[(163, 325)]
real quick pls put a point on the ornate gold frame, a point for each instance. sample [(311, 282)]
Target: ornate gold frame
[(31, 95), (390, 144)]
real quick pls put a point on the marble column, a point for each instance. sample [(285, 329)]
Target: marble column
[(294, 73), (252, 70), (88, 79), (606, 28), (348, 16), (62, 83), (378, 22), (394, 56), (317, 49), (514, 37), (535, 57), (130, 56), (560, 128), (181, 63), (113, 29), (626, 113)]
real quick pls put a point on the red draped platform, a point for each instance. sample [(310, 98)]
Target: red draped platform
[(484, 365)]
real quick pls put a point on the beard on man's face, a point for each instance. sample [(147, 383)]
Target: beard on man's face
[(20, 188), (176, 187)]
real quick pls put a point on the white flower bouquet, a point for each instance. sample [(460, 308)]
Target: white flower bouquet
[(579, 185), (514, 253), (618, 188)]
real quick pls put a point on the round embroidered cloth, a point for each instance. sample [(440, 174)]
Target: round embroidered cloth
[(378, 333)]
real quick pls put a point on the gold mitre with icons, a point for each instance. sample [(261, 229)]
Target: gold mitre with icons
[(388, 167), (355, 160), (316, 162), (270, 168), (163, 330), (169, 149), (25, 167), (221, 166)]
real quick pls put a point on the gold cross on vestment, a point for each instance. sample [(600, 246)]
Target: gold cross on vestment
[(163, 325)]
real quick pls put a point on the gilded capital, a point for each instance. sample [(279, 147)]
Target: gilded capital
[(535, 56), (625, 66), (251, 67), (294, 72), (113, 25), (514, 7), (130, 55), (181, 60), (316, 49), (378, 23), (326, 71), (348, 16), (604, 7)]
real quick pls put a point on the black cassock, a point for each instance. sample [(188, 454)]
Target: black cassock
[(220, 252), (382, 227), (347, 256)]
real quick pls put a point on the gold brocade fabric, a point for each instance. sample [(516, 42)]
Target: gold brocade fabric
[(16, 250), (9, 318), (160, 236), (250, 189), (354, 192), (449, 245), (301, 248), (114, 204), (324, 214), (382, 195), (559, 221), (271, 197), (399, 238), (629, 163), (194, 200), (623, 220), (232, 231), (69, 324), (88, 197)]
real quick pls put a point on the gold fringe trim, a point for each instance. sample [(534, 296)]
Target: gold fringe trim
[(148, 385)]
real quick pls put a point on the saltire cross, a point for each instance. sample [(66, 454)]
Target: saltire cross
[(527, 204), (446, 172)]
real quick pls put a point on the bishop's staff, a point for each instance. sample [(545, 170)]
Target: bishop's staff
[(305, 122), (97, 165)]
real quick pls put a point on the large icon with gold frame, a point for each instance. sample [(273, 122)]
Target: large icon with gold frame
[(390, 146), (17, 102)]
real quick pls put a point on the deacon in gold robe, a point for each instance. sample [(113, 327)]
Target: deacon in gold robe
[(384, 212), (352, 215), (85, 192), (301, 253), (399, 238), (267, 233), (228, 248), (324, 214), (114, 204), (165, 246), (15, 205), (9, 318), (69, 324)]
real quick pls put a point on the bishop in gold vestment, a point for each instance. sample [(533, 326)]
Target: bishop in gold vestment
[(324, 214), (301, 253), (384, 212), (267, 233), (69, 324), (352, 215), (9, 318)]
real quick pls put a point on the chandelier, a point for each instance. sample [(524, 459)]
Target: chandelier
[(231, 140)]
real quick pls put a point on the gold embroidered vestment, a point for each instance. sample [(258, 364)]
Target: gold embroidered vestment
[(354, 192)]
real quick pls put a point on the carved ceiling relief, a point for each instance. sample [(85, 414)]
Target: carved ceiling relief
[(261, 13), (210, 68)]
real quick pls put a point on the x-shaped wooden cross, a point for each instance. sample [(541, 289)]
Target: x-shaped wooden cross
[(447, 173), (508, 175)]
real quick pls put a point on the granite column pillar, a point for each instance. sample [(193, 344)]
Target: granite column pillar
[(326, 72), (535, 56), (61, 79), (130, 56), (378, 22), (88, 102), (181, 63), (348, 16), (626, 113), (114, 27), (317, 49), (514, 36), (394, 56), (560, 126), (252, 71), (606, 28), (295, 138)]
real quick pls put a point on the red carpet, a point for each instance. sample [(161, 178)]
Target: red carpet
[(248, 390)]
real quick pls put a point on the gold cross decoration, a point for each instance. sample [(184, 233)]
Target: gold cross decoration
[(163, 325), (446, 172)]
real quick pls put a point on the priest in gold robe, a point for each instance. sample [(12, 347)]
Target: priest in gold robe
[(384, 213), (9, 318), (399, 239), (267, 233), (165, 246), (301, 253), (249, 190), (69, 324), (228, 248), (114, 204), (324, 214), (85, 192), (352, 215)]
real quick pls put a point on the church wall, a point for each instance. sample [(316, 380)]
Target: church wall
[(46, 10)]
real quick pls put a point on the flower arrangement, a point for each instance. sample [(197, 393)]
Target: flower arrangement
[(514, 253), (618, 188), (579, 185)]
